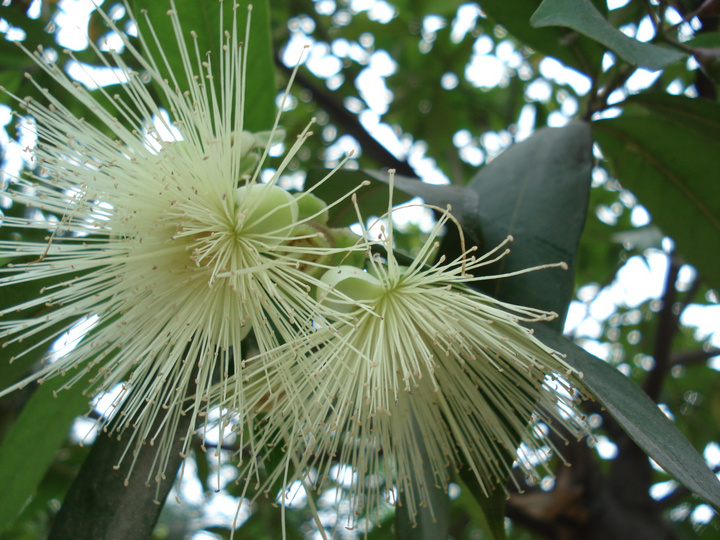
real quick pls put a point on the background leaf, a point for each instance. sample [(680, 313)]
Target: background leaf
[(489, 511), (665, 150), (31, 444), (431, 522), (640, 418), (100, 505), (575, 51), (203, 19), (582, 16), (537, 191), (373, 199)]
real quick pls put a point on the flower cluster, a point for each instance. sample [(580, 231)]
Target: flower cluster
[(427, 375), (171, 246), (180, 255)]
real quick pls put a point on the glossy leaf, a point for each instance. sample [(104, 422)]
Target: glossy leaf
[(488, 510), (582, 16), (536, 191), (100, 504), (203, 19), (641, 419), (431, 522), (30, 446), (664, 149), (575, 51)]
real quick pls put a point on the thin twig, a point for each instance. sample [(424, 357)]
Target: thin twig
[(666, 330), (350, 124)]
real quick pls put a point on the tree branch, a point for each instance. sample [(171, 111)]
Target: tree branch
[(667, 328), (693, 357), (350, 123)]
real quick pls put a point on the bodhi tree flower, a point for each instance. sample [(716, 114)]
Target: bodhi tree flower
[(170, 246), (428, 377)]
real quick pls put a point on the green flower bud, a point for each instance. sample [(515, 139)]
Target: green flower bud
[(352, 282), (266, 211), (312, 207)]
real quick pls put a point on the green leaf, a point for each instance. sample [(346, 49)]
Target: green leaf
[(537, 191), (641, 419), (18, 357), (203, 19), (583, 17), (573, 50), (697, 114), (431, 522), (11, 372), (100, 505), (9, 80), (664, 149), (37, 33), (488, 510), (30, 446), (461, 201)]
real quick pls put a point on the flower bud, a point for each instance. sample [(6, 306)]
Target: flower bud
[(312, 207), (351, 282), (267, 211)]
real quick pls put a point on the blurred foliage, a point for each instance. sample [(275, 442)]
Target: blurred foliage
[(455, 85)]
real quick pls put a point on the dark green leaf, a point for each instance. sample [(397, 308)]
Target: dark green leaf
[(37, 33), (488, 510), (536, 191), (10, 81), (665, 151), (572, 49), (372, 199), (103, 503), (18, 357), (440, 195), (641, 419), (24, 359), (697, 114), (203, 19), (30, 446), (583, 17), (433, 522)]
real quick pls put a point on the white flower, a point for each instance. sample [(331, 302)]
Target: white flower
[(175, 246), (426, 361)]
